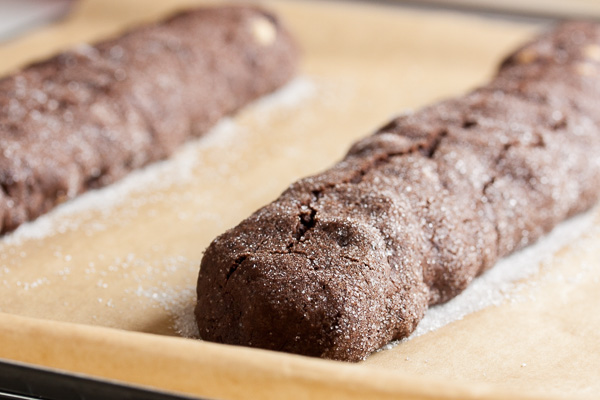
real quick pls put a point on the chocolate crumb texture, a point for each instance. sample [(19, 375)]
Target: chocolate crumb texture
[(87, 117), (348, 260)]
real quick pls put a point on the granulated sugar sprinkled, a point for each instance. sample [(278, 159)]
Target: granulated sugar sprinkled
[(185, 321), (177, 170), (299, 90), (179, 302), (503, 281), (150, 279)]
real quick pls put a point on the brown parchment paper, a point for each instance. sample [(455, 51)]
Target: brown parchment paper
[(127, 257)]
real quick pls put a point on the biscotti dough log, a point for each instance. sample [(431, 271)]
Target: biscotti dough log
[(348, 260), (87, 117)]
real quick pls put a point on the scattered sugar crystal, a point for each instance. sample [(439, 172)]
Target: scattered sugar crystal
[(295, 92)]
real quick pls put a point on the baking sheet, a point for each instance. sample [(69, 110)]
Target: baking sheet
[(126, 256), (556, 8)]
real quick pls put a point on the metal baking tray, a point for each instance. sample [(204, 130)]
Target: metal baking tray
[(23, 381)]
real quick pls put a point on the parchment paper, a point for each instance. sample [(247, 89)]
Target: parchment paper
[(126, 257)]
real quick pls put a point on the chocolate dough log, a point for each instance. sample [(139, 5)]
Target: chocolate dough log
[(348, 260), (87, 117)]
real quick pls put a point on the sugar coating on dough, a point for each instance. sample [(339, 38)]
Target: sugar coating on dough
[(348, 260), (87, 117)]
